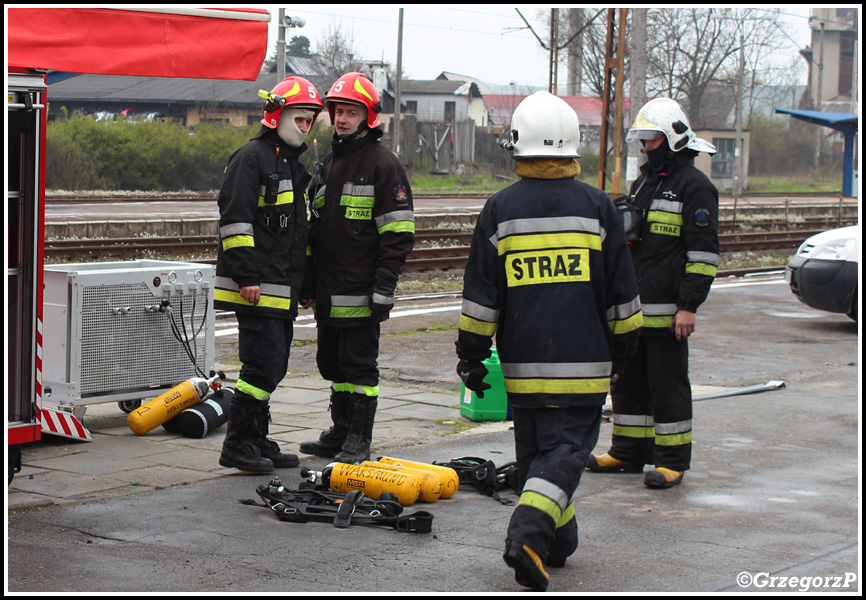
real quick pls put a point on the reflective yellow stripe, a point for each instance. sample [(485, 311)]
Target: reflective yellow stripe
[(357, 201), (540, 241), (474, 326), (282, 198), (239, 241), (658, 216), (542, 503), (567, 516), (658, 322), (398, 227), (634, 432), (251, 390), (557, 386), (264, 301), (350, 312), (626, 325), (354, 388), (678, 439), (701, 269)]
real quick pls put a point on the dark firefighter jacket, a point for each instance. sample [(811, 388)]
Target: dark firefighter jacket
[(263, 232), (362, 219), (677, 256), (549, 274)]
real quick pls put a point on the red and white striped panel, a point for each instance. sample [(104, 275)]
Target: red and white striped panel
[(64, 424)]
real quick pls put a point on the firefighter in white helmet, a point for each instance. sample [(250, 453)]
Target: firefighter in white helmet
[(549, 275), (676, 258), (261, 262)]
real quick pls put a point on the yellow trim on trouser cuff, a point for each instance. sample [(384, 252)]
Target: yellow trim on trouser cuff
[(251, 390), (542, 503), (634, 432), (679, 439), (567, 516)]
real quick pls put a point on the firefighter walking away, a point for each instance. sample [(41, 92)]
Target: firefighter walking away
[(550, 276)]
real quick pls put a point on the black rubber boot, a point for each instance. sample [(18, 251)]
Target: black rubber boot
[(331, 440), (269, 449), (239, 449), (356, 448), (528, 568)]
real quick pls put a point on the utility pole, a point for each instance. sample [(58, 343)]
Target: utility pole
[(612, 64), (637, 89), (575, 51), (552, 76), (398, 85), (281, 45)]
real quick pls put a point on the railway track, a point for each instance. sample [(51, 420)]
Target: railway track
[(435, 250)]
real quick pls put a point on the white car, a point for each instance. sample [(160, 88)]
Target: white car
[(824, 272)]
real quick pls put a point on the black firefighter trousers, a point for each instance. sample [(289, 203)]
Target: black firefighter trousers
[(264, 344), (552, 447), (652, 406)]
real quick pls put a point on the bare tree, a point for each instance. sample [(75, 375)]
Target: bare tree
[(692, 48), (337, 50)]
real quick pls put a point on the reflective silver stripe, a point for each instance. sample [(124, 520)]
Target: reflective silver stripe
[(349, 189), (633, 420), (393, 217), (547, 489), (266, 289), (236, 229), (556, 370), (548, 225), (320, 191), (285, 186), (622, 311), (658, 310), (476, 311), (380, 299), (350, 300), (704, 257), (673, 428), (671, 206)]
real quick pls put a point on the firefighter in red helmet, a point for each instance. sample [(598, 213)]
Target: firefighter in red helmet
[(362, 228), (261, 262)]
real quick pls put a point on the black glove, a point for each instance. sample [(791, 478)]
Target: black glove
[(383, 294), (619, 365), (473, 372)]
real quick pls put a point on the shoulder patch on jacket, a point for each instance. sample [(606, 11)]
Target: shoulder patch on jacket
[(702, 217), (400, 195)]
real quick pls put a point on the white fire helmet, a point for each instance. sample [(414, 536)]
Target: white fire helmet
[(665, 116), (544, 126)]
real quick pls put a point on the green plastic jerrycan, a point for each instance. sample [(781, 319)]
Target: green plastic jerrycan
[(494, 405)]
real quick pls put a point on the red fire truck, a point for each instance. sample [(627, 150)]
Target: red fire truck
[(157, 42)]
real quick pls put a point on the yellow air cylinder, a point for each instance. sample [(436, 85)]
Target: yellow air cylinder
[(449, 477), (168, 405), (431, 484), (372, 482)]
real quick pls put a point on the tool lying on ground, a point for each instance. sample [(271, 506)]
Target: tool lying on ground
[(485, 476), (201, 419), (168, 405), (305, 505), (372, 482), (450, 480)]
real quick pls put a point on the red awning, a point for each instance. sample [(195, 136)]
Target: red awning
[(165, 42)]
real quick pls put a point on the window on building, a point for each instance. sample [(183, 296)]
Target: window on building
[(411, 107), (723, 159), (450, 111)]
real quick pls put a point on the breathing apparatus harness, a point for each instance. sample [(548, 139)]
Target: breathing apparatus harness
[(485, 476), (311, 504)]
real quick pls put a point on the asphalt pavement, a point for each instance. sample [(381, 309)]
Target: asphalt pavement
[(771, 503)]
